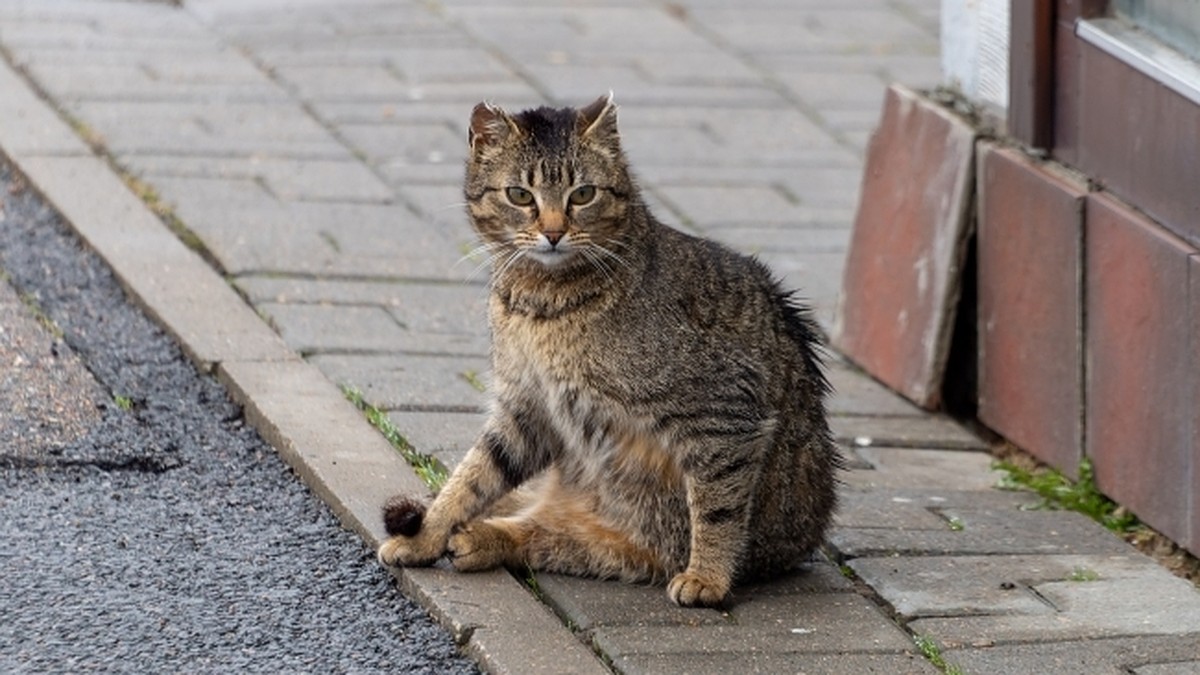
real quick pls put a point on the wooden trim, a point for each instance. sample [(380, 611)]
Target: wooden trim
[(1031, 72)]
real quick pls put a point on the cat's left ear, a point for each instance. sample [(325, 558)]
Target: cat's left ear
[(490, 126), (598, 120)]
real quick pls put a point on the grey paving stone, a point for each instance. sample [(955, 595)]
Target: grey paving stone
[(988, 523), (209, 128), (312, 238), (756, 240), (410, 382), (1160, 605), (1012, 585), (814, 623), (1144, 655), (27, 125), (495, 617), (908, 468), (773, 663), (312, 329), (286, 179), (905, 432), (410, 143), (591, 604), (135, 81), (450, 307), (856, 393), (797, 29), (447, 436), (581, 29)]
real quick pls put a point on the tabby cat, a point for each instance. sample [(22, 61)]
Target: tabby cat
[(657, 400)]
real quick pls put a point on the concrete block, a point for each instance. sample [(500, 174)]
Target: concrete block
[(30, 127), (919, 523), (492, 617), (590, 604), (1030, 312), (1144, 655), (312, 329), (445, 435), (811, 623), (855, 393), (926, 431), (901, 286), (410, 382), (914, 469), (770, 663), (1139, 377), (988, 585), (430, 318), (1138, 600), (313, 239), (320, 180)]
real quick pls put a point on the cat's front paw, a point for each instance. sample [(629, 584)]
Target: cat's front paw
[(418, 551), (693, 589), (477, 547)]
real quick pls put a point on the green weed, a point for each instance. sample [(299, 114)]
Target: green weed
[(123, 402), (473, 379), (428, 468), (1083, 574), (1059, 492), (930, 650)]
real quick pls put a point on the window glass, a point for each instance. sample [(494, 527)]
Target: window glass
[(1175, 22)]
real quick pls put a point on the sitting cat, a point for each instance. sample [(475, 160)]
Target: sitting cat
[(657, 400)]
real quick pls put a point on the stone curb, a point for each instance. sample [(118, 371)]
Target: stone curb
[(291, 404)]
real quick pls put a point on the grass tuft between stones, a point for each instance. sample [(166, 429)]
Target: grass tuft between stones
[(932, 653), (1059, 492), (427, 467)]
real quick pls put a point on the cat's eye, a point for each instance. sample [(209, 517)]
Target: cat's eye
[(519, 196), (583, 194)]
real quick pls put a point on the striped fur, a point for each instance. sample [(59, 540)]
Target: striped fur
[(657, 400)]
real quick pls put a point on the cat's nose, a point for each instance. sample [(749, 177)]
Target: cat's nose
[(553, 236)]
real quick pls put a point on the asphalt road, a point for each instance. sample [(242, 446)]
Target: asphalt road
[(144, 527)]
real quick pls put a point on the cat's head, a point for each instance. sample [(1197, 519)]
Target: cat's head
[(548, 186)]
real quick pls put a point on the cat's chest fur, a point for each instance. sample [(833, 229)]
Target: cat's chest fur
[(568, 365)]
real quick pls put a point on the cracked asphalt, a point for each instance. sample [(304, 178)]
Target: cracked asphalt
[(144, 526)]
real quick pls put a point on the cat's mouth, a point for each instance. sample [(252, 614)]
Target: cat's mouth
[(551, 256)]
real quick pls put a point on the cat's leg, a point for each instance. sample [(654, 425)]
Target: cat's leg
[(560, 533), (516, 443), (720, 478)]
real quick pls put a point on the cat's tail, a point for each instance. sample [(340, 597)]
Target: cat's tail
[(402, 516)]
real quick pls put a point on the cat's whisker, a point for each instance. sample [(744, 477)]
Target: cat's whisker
[(484, 249), (613, 256), (597, 262)]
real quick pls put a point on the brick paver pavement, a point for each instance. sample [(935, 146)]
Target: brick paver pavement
[(312, 151)]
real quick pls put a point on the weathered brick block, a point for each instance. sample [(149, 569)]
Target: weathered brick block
[(901, 283), (1030, 320), (1140, 379)]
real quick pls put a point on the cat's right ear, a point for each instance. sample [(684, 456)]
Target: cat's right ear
[(490, 126)]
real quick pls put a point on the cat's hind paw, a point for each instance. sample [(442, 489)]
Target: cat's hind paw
[(692, 589)]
